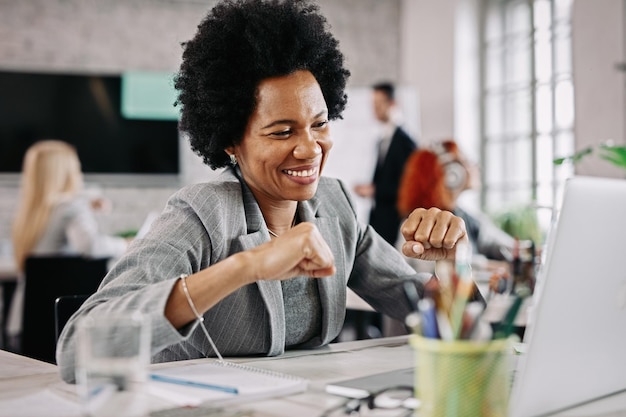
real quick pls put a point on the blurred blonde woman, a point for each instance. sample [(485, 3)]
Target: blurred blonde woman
[(52, 216)]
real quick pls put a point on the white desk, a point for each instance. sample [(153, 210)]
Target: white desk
[(20, 376)]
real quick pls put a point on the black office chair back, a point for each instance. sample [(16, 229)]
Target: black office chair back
[(64, 307), (48, 278)]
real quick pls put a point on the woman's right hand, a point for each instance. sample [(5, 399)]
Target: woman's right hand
[(300, 251), (432, 234)]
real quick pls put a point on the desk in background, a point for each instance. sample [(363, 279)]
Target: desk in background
[(21, 377)]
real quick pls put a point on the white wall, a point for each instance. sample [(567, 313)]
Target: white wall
[(598, 44), (427, 63)]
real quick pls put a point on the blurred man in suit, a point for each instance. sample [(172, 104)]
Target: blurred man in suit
[(394, 148)]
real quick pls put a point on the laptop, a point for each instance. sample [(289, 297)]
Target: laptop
[(575, 340), (576, 336)]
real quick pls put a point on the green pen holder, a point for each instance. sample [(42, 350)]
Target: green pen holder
[(462, 378)]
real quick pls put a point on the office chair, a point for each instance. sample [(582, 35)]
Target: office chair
[(64, 307), (46, 279)]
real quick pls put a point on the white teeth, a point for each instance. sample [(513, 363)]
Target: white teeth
[(305, 173)]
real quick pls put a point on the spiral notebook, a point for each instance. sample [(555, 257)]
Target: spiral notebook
[(221, 383)]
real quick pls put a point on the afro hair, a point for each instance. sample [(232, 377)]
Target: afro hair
[(239, 44)]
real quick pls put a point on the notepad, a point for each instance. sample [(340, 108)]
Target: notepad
[(221, 383), (364, 386)]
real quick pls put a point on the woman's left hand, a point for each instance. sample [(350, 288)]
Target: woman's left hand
[(432, 234)]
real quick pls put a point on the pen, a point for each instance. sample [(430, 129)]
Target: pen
[(471, 319), (432, 290), (444, 271), (444, 326), (429, 318), (179, 381), (463, 289)]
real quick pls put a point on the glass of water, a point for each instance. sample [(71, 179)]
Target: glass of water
[(113, 354)]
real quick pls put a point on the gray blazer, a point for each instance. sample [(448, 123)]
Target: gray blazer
[(205, 223)]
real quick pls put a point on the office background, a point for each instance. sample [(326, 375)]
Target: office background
[(432, 49)]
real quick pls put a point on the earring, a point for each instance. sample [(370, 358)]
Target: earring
[(233, 159)]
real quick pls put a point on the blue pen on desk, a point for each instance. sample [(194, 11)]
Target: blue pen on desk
[(428, 312), (186, 382)]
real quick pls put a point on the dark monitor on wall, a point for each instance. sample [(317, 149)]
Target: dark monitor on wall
[(92, 113)]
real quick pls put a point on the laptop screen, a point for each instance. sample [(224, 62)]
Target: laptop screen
[(576, 336)]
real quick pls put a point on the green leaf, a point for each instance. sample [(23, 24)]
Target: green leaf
[(575, 157), (614, 154), (581, 154), (127, 233)]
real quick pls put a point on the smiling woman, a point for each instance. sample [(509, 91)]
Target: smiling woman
[(228, 266), (285, 145)]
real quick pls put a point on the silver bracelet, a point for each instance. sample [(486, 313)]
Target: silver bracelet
[(183, 281)]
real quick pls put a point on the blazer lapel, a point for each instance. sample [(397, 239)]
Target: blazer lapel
[(272, 295), (332, 290), (271, 291)]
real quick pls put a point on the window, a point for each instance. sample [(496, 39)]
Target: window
[(527, 103)]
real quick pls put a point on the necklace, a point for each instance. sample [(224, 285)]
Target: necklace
[(293, 223)]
